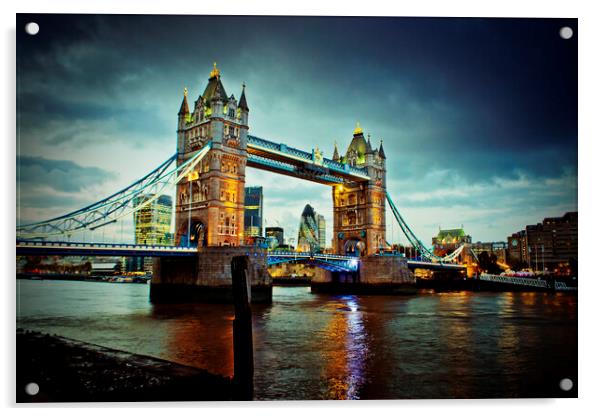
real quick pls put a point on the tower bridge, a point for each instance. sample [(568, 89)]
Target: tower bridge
[(213, 151)]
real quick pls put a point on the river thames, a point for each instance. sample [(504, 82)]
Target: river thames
[(310, 346)]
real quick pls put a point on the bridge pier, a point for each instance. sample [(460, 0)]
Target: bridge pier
[(208, 278), (376, 275)]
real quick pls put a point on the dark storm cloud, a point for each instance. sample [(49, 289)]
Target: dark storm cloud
[(61, 175), (480, 99)]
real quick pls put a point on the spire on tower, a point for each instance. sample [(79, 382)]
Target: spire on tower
[(215, 89), (335, 155), (184, 106), (242, 103), (214, 72), (381, 151), (358, 129), (368, 145)]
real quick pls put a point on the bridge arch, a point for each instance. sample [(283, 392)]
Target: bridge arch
[(354, 247), (198, 234)]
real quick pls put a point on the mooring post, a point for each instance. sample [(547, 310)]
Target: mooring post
[(242, 329)]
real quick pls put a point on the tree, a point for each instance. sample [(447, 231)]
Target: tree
[(516, 264), (488, 263)]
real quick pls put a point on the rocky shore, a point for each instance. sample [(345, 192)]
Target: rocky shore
[(71, 371)]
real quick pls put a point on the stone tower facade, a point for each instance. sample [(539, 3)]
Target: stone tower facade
[(210, 201), (359, 208)]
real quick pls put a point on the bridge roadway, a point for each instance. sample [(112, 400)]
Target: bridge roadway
[(332, 262)]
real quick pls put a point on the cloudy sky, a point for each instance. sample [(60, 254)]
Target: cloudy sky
[(478, 116)]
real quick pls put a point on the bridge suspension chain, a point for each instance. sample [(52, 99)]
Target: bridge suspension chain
[(118, 205), (415, 241)]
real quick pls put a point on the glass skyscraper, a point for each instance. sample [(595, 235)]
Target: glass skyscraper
[(153, 221), (152, 224), (321, 231), (309, 239), (253, 211), (277, 233)]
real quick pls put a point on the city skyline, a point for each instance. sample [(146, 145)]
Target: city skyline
[(465, 147)]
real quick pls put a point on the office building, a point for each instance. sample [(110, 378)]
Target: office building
[(277, 233), (152, 223), (308, 239), (253, 212)]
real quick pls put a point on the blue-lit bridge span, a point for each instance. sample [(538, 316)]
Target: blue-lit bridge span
[(331, 262)]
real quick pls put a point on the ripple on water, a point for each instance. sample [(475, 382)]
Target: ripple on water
[(313, 346)]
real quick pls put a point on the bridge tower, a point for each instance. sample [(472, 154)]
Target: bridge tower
[(359, 208), (210, 201)]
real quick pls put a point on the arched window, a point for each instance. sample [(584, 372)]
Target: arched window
[(351, 218)]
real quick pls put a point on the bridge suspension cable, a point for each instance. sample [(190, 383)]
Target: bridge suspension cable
[(119, 205), (415, 241)]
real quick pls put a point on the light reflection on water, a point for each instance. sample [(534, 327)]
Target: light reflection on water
[(307, 346)]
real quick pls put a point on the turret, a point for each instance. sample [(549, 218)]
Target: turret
[(243, 108), (183, 115), (381, 151), (335, 155), (356, 152), (215, 95), (184, 111), (369, 158)]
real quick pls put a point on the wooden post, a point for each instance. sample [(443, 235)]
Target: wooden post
[(242, 329)]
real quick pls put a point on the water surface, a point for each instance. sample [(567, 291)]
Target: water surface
[(309, 346)]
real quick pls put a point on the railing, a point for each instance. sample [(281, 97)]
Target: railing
[(270, 162), (437, 263), (307, 254), (524, 281), (561, 286), (345, 168), (67, 244), (280, 147), (329, 261)]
